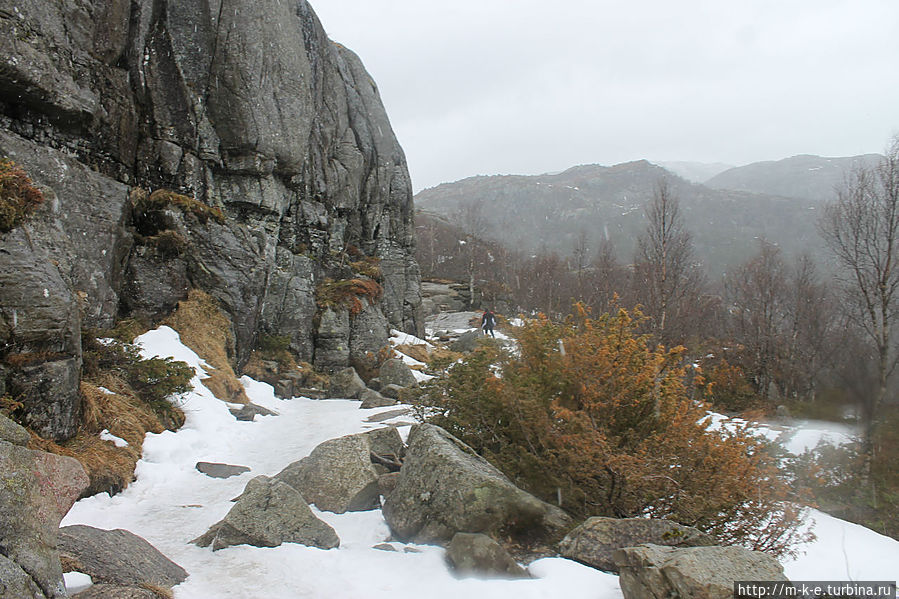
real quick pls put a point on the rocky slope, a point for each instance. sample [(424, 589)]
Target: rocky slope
[(245, 107), (804, 176)]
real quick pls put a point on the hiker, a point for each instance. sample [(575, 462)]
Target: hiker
[(488, 321)]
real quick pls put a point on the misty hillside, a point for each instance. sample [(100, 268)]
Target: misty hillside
[(532, 212), (804, 176), (695, 172)]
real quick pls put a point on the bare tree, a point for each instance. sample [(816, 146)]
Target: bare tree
[(862, 229), (664, 272), (474, 225), (756, 293)]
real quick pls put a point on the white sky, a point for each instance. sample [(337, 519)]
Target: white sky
[(518, 86)]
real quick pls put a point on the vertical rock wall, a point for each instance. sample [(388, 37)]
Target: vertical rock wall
[(244, 105)]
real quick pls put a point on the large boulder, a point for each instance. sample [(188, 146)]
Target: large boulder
[(117, 557), (466, 342), (346, 384), (474, 554), (267, 514), (37, 490), (396, 372), (115, 591), (372, 399), (339, 476), (15, 582), (12, 432), (593, 542), (657, 572), (445, 487)]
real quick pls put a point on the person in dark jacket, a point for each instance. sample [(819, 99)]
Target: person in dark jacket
[(488, 321)]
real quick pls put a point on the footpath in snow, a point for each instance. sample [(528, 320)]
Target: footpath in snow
[(171, 503)]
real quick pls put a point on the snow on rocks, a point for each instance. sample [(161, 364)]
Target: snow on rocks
[(118, 441), (171, 503)]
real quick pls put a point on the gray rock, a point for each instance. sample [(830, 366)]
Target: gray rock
[(217, 470), (15, 582), (653, 571), (117, 557), (388, 415), (467, 342), (249, 412), (445, 488), (303, 163), (332, 340), (594, 541), (392, 391), (267, 514), (12, 432), (38, 489), (369, 333), (474, 554), (374, 384), (115, 591), (388, 482), (338, 476), (384, 547), (50, 394), (396, 372), (373, 399), (346, 384)]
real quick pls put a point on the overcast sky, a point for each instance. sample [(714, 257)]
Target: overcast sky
[(525, 87)]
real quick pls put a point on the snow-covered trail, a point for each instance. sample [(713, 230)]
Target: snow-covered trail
[(171, 503)]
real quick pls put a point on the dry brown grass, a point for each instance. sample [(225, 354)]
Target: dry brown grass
[(159, 591), (123, 414), (204, 328)]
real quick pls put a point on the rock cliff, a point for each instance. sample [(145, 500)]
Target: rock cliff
[(245, 107)]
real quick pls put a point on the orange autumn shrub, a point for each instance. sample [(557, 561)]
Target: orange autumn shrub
[(588, 410)]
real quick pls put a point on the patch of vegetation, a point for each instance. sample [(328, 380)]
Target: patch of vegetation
[(168, 243), (596, 412), (20, 360), (206, 329), (366, 266), (153, 381), (728, 390), (347, 293), (18, 195), (164, 198)]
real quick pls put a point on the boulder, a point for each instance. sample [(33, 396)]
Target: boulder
[(37, 490), (267, 514), (373, 399), (656, 572), (392, 391), (332, 344), (249, 412), (346, 384), (445, 487), (474, 554), (50, 395), (396, 372), (115, 591), (15, 582), (338, 476), (467, 342), (12, 432), (593, 542), (217, 470), (117, 557)]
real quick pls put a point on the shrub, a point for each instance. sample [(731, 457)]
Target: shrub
[(589, 410), (347, 293), (169, 243), (729, 389), (18, 195)]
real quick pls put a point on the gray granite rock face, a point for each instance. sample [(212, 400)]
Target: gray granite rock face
[(98, 98)]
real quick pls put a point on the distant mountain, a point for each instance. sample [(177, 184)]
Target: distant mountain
[(695, 172), (528, 213), (804, 176)]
